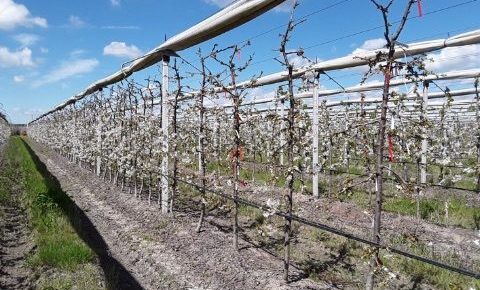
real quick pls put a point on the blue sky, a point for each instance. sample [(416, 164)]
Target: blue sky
[(53, 49)]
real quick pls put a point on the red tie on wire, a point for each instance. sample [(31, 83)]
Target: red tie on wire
[(391, 156), (420, 9), (239, 54)]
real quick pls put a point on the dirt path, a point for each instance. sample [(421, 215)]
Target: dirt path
[(15, 244), (162, 252)]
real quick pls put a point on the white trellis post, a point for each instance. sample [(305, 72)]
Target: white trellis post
[(215, 136), (477, 118), (99, 146), (200, 139), (315, 166), (392, 127), (282, 127), (345, 142), (165, 123), (423, 157)]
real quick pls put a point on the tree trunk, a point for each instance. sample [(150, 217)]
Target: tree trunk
[(380, 144), (290, 177), (201, 145)]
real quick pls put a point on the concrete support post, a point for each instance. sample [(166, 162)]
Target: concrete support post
[(165, 137), (423, 157), (99, 147), (282, 130), (315, 165)]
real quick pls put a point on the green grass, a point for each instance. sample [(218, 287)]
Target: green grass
[(441, 278), (58, 245), (411, 269), (459, 213), (261, 177), (64, 251), (467, 183), (252, 213), (9, 173), (426, 273), (84, 279), (407, 206)]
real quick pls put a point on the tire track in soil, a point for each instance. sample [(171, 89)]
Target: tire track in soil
[(15, 245)]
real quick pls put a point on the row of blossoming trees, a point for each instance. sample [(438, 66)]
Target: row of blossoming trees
[(4, 129), (117, 133), (120, 130)]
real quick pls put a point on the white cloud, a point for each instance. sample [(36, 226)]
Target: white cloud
[(34, 112), (121, 49), (260, 93), (43, 50), (67, 70), (115, 2), (18, 79), (454, 58), (13, 14), (20, 58), (76, 22), (368, 45), (26, 39), (77, 52), (298, 61), (371, 44)]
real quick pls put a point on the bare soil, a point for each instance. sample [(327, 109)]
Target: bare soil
[(163, 251)]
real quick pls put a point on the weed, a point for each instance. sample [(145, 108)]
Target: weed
[(476, 219), (318, 235), (252, 213)]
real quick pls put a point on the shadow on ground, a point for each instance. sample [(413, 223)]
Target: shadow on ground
[(116, 275)]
